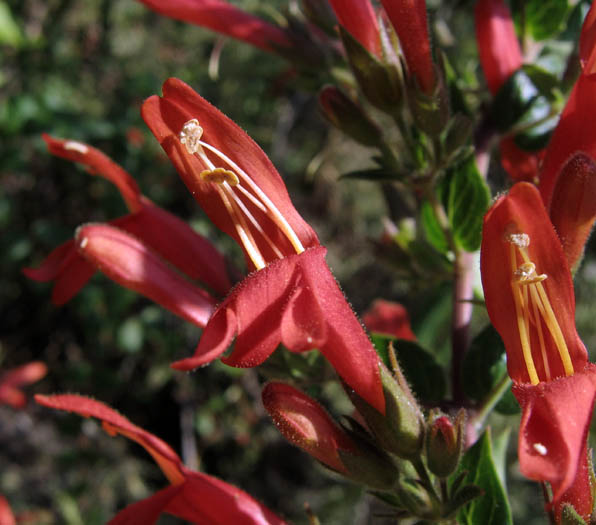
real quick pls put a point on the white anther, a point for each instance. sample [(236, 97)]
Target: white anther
[(73, 145), (190, 135), (522, 240)]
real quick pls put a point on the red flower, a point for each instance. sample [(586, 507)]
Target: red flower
[(192, 496), (12, 380), (578, 115), (130, 263), (359, 19), (166, 234), (530, 301), (390, 318), (499, 50), (500, 57), (408, 17), (225, 18), (293, 298)]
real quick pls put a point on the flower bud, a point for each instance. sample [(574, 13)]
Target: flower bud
[(348, 116), (400, 431), (444, 443), (430, 110), (304, 423)]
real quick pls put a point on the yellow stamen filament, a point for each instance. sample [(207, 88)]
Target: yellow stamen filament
[(234, 179), (527, 288)]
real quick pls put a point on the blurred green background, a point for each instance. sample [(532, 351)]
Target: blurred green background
[(80, 69)]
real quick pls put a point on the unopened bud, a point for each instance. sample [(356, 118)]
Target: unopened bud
[(348, 116), (304, 423), (379, 81), (444, 443), (400, 431)]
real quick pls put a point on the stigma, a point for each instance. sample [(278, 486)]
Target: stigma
[(239, 193), (538, 328)]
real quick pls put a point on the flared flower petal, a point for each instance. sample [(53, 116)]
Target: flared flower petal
[(12, 380), (297, 302), (528, 288), (225, 18), (554, 430), (573, 206), (408, 17), (359, 18), (498, 47), (388, 317), (306, 424), (193, 496), (132, 264), (97, 163), (250, 201)]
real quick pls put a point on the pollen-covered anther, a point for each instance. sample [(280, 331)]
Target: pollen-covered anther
[(521, 240), (526, 274), (219, 176), (190, 135)]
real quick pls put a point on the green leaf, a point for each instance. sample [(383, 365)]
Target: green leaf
[(10, 32), (513, 99), (492, 508), (432, 229), (569, 516), (419, 367), (485, 365), (545, 18), (468, 201)]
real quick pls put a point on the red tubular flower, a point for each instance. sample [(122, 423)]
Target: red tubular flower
[(165, 233), (304, 423), (498, 47), (359, 19), (192, 496), (578, 115), (130, 263), (387, 317), (408, 17), (222, 17), (500, 56), (293, 298), (12, 380), (530, 301)]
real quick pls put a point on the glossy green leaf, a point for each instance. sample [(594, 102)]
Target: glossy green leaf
[(424, 375), (485, 365), (491, 508), (468, 201), (373, 175), (432, 229)]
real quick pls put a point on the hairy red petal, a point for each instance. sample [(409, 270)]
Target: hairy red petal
[(148, 510), (587, 43), (521, 165), (6, 515), (224, 18), (295, 301), (554, 428), (132, 264)]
